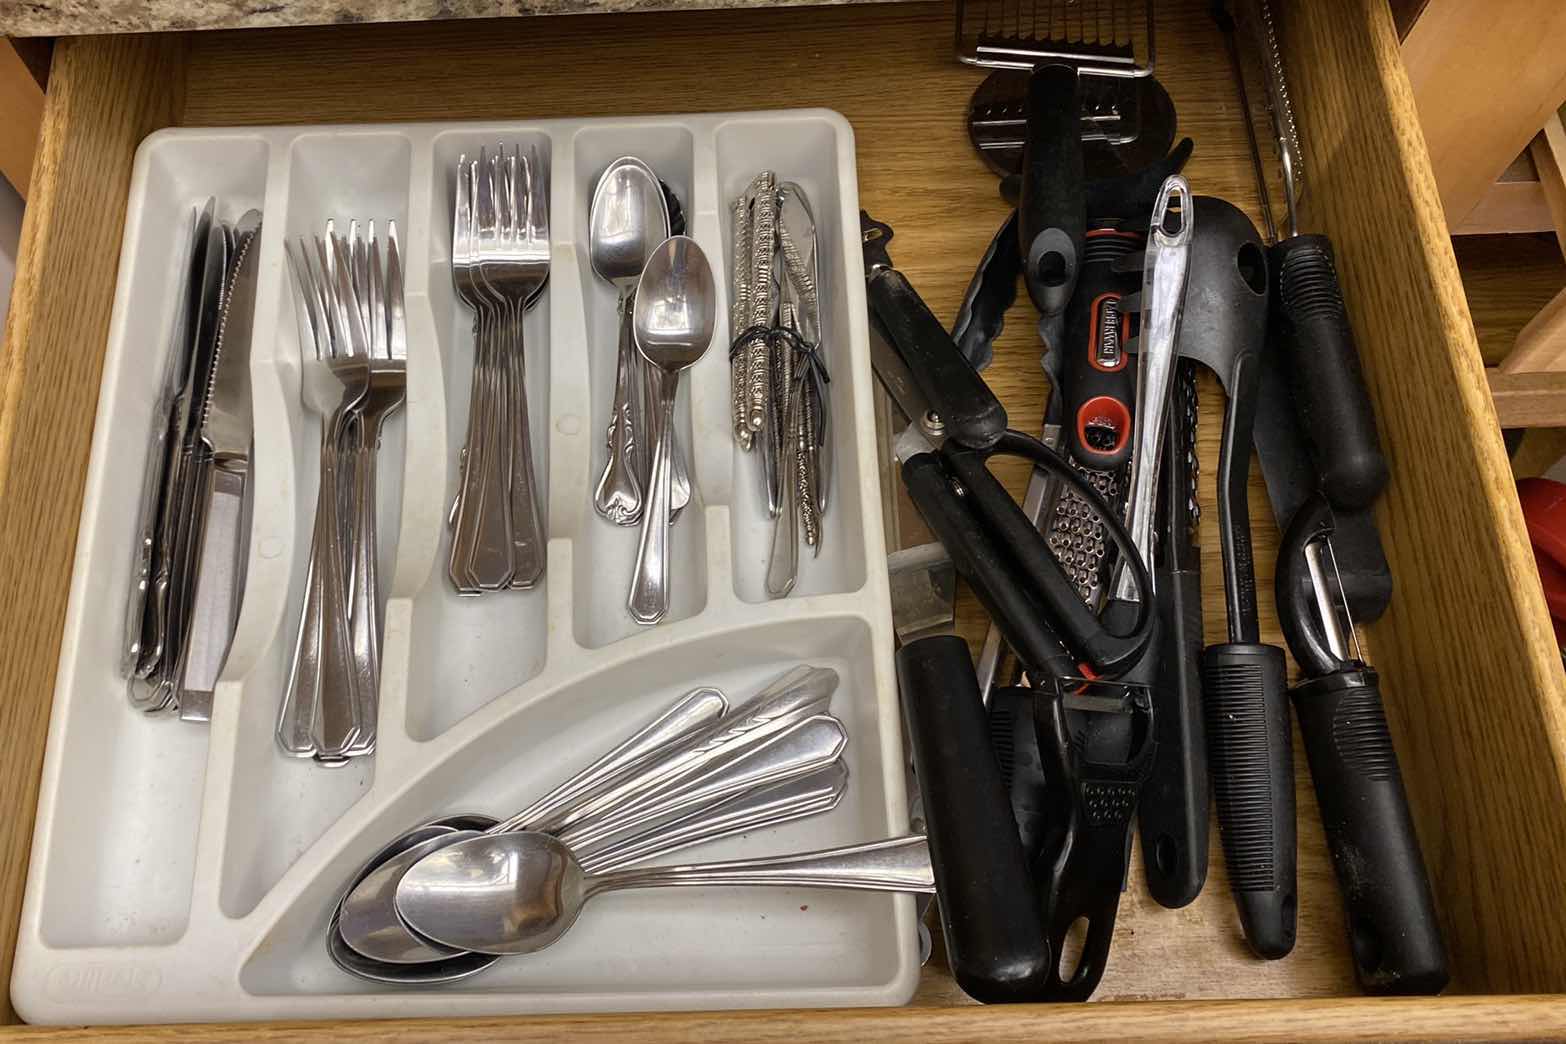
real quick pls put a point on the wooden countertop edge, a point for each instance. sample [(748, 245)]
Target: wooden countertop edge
[(1403, 1018)]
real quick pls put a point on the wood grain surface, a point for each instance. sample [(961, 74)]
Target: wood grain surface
[(1472, 676), (1188, 1022), (21, 100), (1475, 705), (1507, 279), (1485, 76)]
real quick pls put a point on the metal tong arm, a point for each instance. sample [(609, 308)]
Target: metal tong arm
[(1163, 298)]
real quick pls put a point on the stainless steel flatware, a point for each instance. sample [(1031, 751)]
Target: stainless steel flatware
[(629, 217), (348, 302), (675, 318), (500, 265), (518, 893), (779, 373), (179, 605)]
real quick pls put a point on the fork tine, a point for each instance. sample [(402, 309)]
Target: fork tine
[(303, 303), (461, 214), (354, 345), (396, 319), (537, 201), (377, 298), (324, 273)]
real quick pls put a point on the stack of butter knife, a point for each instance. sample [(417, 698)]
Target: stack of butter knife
[(187, 575)]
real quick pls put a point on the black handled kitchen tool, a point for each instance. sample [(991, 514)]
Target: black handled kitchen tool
[(1309, 318), (1075, 755), (992, 543), (1172, 816), (991, 912), (1288, 466), (1052, 214), (1394, 934), (1243, 680), (1292, 480), (967, 410)]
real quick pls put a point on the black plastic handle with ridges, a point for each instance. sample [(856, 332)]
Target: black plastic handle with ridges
[(1394, 933), (1052, 213), (986, 567), (1329, 387), (992, 918), (1251, 759)]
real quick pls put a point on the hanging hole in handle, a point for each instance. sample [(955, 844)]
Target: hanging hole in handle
[(1253, 268), (1051, 268), (1072, 947), (1170, 218)]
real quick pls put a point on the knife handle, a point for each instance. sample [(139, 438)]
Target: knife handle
[(969, 410), (219, 582), (159, 449), (1394, 933), (188, 541), (991, 915)]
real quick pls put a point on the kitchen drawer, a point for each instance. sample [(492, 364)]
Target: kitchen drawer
[(1472, 677)]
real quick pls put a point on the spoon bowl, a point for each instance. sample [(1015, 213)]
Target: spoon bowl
[(676, 305), (628, 218), (448, 969)]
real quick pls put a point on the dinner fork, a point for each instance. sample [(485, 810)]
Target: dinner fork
[(516, 271), (320, 703), (349, 303), (380, 295)]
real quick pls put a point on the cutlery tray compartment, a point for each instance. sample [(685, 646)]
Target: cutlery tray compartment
[(212, 865)]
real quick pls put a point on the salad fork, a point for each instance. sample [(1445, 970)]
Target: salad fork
[(500, 264)]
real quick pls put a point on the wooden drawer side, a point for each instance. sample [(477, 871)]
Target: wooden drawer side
[(1471, 673), (105, 95)]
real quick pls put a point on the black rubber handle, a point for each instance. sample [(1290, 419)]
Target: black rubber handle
[(986, 567), (1173, 818), (971, 412), (991, 915), (1329, 388), (1394, 934), (1052, 214), (1252, 762)]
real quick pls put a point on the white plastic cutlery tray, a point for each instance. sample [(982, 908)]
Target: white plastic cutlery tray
[(186, 872)]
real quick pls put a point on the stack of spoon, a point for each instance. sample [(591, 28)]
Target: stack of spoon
[(698, 772)]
